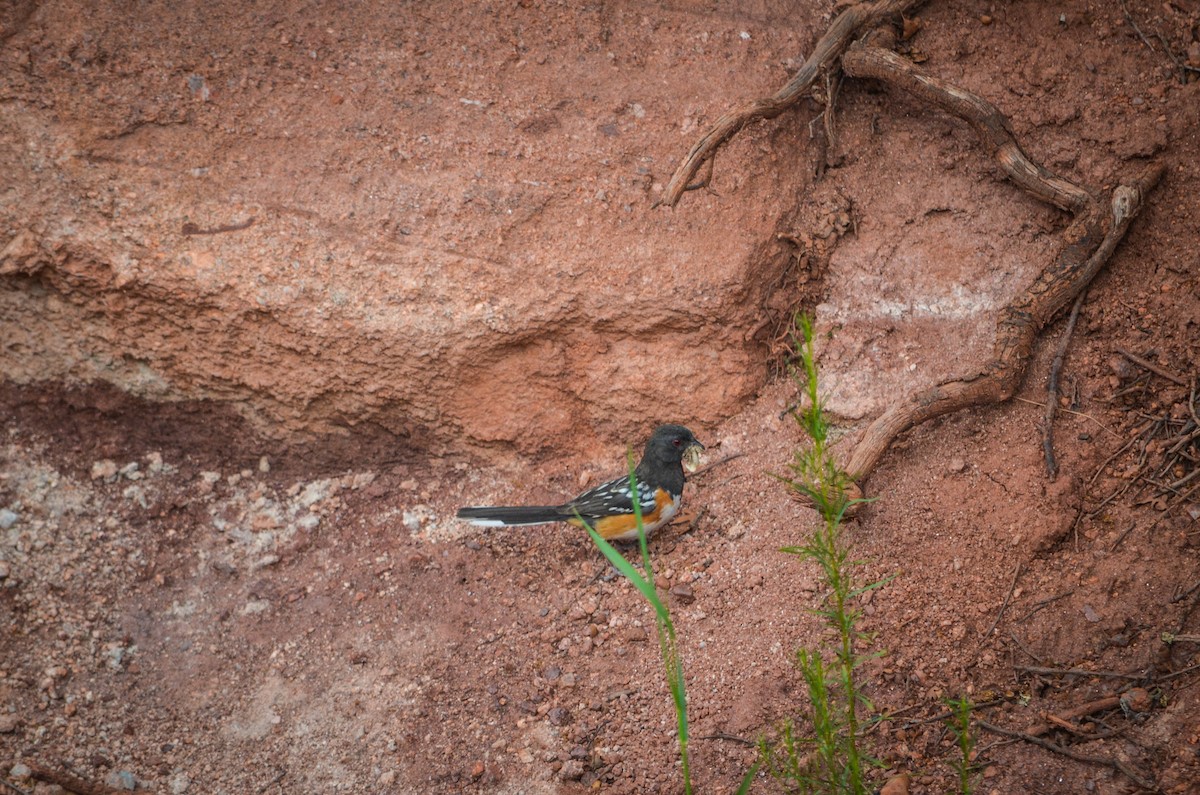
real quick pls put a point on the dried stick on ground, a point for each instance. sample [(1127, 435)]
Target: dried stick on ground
[(830, 47), (1052, 390), (1115, 764), (1090, 240)]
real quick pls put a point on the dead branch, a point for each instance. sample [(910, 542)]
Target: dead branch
[(1043, 670), (1151, 366), (1089, 242), (829, 48), (1000, 613), (1052, 389), (1115, 764)]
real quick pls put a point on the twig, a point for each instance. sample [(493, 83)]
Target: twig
[(1099, 424), (1151, 366), (704, 469), (949, 714), (1044, 603), (1038, 669), (1121, 537), (1023, 647), (1180, 65), (1186, 593), (1178, 673), (1134, 25), (1115, 764), (1012, 586), (14, 787), (1052, 389)]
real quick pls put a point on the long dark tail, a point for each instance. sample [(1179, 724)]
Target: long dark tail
[(502, 516)]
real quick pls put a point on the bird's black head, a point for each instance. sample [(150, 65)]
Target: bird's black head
[(670, 443)]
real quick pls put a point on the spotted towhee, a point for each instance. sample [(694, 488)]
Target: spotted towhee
[(608, 508)]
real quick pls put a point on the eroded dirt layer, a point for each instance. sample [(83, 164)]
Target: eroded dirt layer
[(331, 215), (191, 606)]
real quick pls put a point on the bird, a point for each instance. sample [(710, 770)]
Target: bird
[(608, 508)]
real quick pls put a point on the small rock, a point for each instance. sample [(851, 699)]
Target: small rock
[(1135, 701), (1090, 613), (568, 680), (956, 465), (105, 469), (180, 783), (9, 723), (264, 465), (4, 570), (121, 779), (131, 471), (897, 785), (636, 635), (387, 778), (477, 769), (572, 770), (682, 593), (558, 716), (8, 518), (154, 463), (20, 772)]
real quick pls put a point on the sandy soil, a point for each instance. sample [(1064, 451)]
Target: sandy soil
[(185, 607)]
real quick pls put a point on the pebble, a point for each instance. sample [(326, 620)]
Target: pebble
[(558, 716), (8, 518), (121, 779), (20, 772), (683, 593), (477, 769), (636, 635), (105, 469), (180, 783), (572, 770), (9, 723), (897, 785)]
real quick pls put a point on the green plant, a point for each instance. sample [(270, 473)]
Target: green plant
[(831, 759), (668, 647), (960, 723)]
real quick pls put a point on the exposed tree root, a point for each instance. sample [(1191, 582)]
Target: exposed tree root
[(841, 32), (1088, 244), (1100, 221)]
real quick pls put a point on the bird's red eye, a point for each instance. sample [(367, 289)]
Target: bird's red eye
[(677, 441)]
